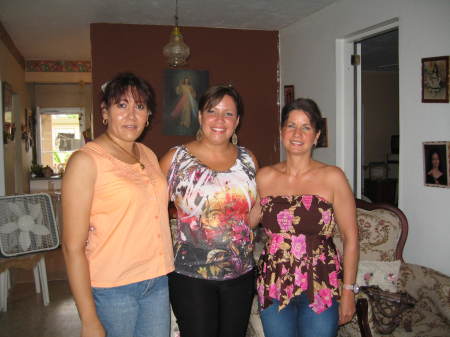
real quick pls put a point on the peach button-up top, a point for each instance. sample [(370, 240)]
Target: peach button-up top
[(129, 237)]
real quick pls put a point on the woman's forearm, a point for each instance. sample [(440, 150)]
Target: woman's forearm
[(255, 215), (78, 273), (351, 258)]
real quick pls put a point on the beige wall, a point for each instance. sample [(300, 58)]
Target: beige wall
[(312, 60), (12, 72), (64, 95), (380, 104)]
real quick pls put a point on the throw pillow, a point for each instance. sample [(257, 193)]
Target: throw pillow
[(379, 273)]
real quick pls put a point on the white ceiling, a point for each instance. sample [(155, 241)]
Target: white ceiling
[(59, 29)]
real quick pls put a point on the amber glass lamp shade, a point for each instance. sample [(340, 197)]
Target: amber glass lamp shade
[(176, 50)]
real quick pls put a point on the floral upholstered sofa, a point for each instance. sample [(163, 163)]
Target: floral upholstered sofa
[(383, 231)]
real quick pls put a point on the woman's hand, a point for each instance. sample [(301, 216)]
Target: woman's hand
[(94, 329), (347, 306)]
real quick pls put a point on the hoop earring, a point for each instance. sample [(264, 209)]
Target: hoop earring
[(105, 121), (199, 134), (234, 138), (147, 124)]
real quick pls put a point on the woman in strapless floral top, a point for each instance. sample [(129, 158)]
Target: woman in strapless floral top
[(302, 200)]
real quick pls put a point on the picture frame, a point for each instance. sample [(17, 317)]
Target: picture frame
[(182, 90), (323, 138), (7, 116), (26, 128), (289, 94), (435, 79), (436, 164)]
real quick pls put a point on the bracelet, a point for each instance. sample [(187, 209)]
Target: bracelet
[(352, 287)]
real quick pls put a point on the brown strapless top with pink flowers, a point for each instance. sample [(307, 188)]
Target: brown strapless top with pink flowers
[(299, 254)]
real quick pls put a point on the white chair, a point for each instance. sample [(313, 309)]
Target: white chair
[(32, 261), (28, 230)]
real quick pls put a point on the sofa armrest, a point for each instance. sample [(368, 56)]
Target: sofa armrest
[(429, 287), (362, 313), (362, 322)]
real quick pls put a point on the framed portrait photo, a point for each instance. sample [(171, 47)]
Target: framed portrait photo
[(435, 73), (436, 162), (289, 94)]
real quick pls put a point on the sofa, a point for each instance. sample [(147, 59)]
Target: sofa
[(383, 231)]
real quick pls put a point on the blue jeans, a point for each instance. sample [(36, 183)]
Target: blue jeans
[(135, 310), (297, 319)]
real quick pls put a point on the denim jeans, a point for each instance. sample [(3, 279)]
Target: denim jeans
[(297, 319), (135, 310)]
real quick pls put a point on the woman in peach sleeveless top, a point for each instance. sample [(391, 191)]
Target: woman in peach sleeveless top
[(116, 240)]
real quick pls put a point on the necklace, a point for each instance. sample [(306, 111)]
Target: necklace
[(128, 153)]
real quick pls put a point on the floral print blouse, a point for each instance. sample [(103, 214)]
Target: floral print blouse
[(213, 238), (299, 255)]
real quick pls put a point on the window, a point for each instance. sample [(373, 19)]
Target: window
[(59, 135)]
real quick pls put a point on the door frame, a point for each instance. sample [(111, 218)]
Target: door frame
[(346, 122)]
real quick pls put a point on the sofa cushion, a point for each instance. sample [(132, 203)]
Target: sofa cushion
[(379, 233), (379, 273)]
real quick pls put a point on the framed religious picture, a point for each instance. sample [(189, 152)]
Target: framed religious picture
[(7, 117), (436, 163), (289, 94), (323, 138), (435, 73), (182, 90)]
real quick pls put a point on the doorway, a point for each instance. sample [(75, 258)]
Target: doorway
[(377, 117)]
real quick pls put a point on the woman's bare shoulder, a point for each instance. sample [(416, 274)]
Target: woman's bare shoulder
[(267, 173), (334, 175), (81, 166), (166, 160), (80, 158)]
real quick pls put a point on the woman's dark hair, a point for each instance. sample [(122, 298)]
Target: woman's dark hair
[(441, 164), (309, 107), (214, 95), (119, 86)]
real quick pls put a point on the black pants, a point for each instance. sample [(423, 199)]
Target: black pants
[(206, 308)]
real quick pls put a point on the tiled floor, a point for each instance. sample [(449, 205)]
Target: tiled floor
[(28, 317)]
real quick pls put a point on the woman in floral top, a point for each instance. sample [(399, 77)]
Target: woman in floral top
[(302, 200), (212, 184)]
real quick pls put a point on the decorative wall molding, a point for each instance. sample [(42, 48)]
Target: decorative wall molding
[(58, 66), (57, 77), (9, 43)]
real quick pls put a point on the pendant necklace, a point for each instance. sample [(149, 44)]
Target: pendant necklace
[(128, 153)]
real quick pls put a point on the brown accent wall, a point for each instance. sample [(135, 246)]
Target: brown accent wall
[(246, 58)]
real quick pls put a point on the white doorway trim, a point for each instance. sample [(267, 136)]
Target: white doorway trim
[(345, 120), (2, 152)]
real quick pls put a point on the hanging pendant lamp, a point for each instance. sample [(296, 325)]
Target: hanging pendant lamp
[(176, 50)]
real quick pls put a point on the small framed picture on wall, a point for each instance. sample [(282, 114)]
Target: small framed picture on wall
[(435, 74), (436, 163), (289, 94)]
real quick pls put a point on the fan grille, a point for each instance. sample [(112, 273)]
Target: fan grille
[(40, 231)]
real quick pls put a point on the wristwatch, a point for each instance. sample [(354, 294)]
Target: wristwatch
[(352, 287)]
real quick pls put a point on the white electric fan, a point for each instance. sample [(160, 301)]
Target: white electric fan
[(27, 225)]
